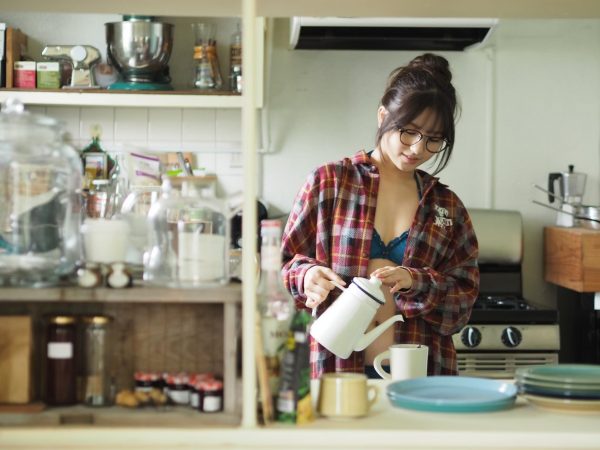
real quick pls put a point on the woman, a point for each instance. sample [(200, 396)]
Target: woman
[(376, 214)]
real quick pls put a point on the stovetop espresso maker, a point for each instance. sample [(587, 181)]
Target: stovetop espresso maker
[(571, 187)]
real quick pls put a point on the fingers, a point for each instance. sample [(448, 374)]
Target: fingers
[(332, 276), (318, 283)]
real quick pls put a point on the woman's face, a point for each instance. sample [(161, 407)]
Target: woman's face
[(409, 157)]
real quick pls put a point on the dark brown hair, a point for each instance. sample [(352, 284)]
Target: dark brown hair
[(426, 82)]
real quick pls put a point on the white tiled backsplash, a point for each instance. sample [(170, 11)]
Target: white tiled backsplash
[(213, 135)]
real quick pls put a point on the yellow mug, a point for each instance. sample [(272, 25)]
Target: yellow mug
[(345, 395)]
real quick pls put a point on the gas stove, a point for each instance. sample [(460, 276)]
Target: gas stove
[(504, 331)]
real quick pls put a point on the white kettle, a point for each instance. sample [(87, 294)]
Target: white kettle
[(341, 328)]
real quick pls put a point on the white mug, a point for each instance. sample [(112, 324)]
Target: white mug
[(406, 361)]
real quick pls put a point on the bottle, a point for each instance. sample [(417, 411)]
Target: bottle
[(275, 304), (61, 376), (235, 71), (97, 363)]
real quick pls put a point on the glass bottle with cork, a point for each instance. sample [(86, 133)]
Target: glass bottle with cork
[(235, 61), (275, 304)]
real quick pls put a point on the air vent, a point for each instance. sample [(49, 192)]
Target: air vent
[(500, 365), (389, 34)]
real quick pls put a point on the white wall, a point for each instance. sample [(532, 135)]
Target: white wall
[(543, 75)]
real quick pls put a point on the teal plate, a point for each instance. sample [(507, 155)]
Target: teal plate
[(563, 373), (452, 394)]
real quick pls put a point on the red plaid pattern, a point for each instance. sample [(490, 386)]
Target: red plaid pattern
[(331, 224)]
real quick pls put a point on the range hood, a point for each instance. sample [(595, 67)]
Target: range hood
[(337, 33)]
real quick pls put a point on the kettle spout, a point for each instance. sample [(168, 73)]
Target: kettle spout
[(369, 337)]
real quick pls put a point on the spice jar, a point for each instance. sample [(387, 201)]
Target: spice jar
[(97, 363), (61, 387), (211, 395)]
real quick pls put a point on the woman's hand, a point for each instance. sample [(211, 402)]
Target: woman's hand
[(397, 277), (318, 283)]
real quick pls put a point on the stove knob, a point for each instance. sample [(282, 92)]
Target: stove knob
[(471, 337), (511, 337)]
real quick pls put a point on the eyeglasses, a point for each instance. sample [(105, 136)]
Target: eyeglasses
[(432, 144)]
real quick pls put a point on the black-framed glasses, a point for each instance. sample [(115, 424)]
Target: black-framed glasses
[(433, 144)]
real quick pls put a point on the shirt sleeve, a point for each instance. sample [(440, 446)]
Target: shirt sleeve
[(298, 244), (444, 297)]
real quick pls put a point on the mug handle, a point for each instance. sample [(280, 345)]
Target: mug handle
[(372, 394), (377, 365)]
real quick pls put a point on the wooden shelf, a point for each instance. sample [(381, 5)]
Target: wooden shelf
[(143, 99), (349, 8), (231, 293), (117, 416)]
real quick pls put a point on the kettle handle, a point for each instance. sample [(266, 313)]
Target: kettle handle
[(337, 285), (551, 178)]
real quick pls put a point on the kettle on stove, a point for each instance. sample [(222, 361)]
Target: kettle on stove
[(341, 328)]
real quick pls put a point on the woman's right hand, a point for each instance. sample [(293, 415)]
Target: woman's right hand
[(318, 283)]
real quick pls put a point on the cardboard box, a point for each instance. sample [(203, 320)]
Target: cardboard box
[(15, 365), (24, 74), (48, 75)]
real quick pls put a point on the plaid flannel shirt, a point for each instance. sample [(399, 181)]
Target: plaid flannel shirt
[(331, 224)]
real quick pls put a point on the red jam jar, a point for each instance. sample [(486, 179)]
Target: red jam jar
[(211, 395)]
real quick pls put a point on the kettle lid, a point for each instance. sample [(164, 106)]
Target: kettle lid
[(371, 287)]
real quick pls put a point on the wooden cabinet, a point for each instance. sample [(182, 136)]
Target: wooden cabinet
[(572, 258), (572, 262), (153, 329)]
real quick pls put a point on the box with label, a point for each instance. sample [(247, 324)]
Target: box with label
[(48, 75), (24, 74)]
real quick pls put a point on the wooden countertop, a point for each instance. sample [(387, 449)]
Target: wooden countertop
[(386, 427)]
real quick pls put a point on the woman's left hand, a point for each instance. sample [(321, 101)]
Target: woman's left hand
[(397, 277)]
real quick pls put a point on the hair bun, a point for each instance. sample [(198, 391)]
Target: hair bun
[(435, 64)]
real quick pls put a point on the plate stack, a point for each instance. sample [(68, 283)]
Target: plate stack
[(566, 387), (451, 394)]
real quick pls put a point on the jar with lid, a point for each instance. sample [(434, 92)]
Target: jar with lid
[(96, 351), (178, 389), (60, 367), (189, 236), (211, 395), (40, 185)]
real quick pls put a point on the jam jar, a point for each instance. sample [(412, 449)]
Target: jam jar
[(61, 371), (211, 395), (178, 389)]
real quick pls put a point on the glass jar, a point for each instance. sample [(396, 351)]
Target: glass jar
[(40, 200), (211, 395), (135, 210), (96, 350), (178, 389), (60, 374), (189, 237)]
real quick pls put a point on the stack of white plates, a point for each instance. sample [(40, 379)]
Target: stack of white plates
[(574, 387)]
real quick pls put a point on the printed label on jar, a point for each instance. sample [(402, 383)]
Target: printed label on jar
[(179, 397), (211, 403), (60, 350)]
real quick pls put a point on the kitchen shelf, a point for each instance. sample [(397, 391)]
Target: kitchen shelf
[(143, 99), (117, 416), (229, 294)]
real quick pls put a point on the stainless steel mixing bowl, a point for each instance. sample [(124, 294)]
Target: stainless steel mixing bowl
[(140, 49)]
